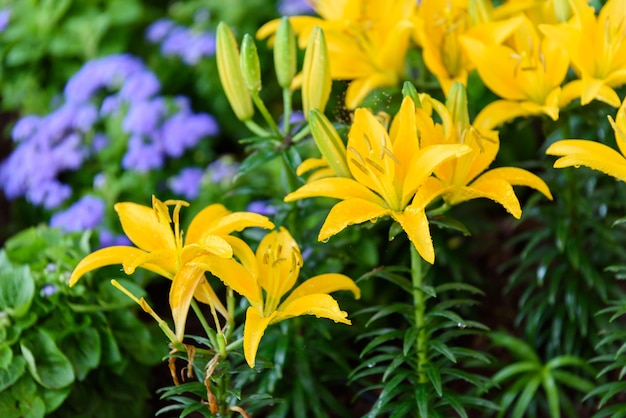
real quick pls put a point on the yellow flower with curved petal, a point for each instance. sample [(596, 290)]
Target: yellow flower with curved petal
[(528, 76), (266, 277), (439, 26), (597, 48), (387, 170), (160, 249), (367, 40), (577, 152), (460, 179)]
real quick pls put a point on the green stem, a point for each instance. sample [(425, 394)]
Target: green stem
[(286, 111), (210, 332), (419, 306), (255, 128), (301, 134), (266, 114)]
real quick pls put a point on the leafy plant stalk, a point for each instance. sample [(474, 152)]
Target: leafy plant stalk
[(419, 309)]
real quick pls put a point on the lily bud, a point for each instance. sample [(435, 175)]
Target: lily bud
[(562, 10), (231, 77), (479, 12), (285, 53), (409, 90), (316, 81), (329, 143), (250, 66), (456, 102)]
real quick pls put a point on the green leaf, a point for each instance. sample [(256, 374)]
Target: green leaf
[(421, 398), (83, 349), (12, 372), (552, 393), (255, 160), (526, 397), (435, 378), (517, 347), (516, 368), (573, 381), (17, 288), (46, 363)]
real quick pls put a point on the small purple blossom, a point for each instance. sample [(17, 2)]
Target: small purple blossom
[(109, 239), (159, 30), (189, 44), (144, 117), (187, 182), (142, 155), (5, 17), (86, 213), (48, 290), (294, 7), (184, 130), (262, 207), (223, 169)]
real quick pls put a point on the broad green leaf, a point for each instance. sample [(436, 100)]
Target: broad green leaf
[(46, 363), (83, 350), (12, 372), (17, 288), (515, 368)]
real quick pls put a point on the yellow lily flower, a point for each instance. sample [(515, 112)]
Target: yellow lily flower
[(160, 249), (577, 152), (265, 278), (597, 50), (528, 76), (387, 170), (460, 179), (367, 41), (439, 26)]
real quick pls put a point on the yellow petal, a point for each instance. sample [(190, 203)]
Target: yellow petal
[(238, 221), (320, 305), (204, 221), (350, 212), (499, 112), (109, 256), (234, 275), (253, 331), (166, 260), (415, 224), (182, 290), (335, 187), (359, 88), (619, 127), (426, 161), (243, 253), (519, 177), (311, 164), (577, 152), (142, 227), (324, 284), (498, 190)]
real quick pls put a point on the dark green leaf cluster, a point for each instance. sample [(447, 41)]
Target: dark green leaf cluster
[(66, 352)]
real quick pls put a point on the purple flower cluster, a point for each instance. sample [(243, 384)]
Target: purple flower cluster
[(190, 44), (156, 127), (295, 7), (86, 213), (5, 17)]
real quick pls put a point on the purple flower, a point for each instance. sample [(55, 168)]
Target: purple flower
[(200, 45), (188, 44), (86, 213), (184, 130), (5, 16), (140, 86), (109, 239), (144, 117), (294, 7), (261, 207), (223, 169), (49, 194), (25, 127), (187, 182), (159, 30), (48, 290), (142, 155)]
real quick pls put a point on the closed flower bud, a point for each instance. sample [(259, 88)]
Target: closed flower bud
[(231, 77), (285, 54), (250, 66), (328, 142), (316, 81), (456, 102), (409, 90)]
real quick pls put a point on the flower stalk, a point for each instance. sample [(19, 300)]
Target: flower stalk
[(419, 310)]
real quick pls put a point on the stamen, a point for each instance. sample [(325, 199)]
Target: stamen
[(375, 165)]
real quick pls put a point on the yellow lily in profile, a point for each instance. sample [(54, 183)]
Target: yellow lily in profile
[(597, 49), (387, 170), (460, 179), (160, 249), (528, 76), (265, 278), (367, 41), (577, 152), (439, 26)]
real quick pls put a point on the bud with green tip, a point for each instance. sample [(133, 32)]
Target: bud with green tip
[(250, 66), (285, 53), (329, 143), (409, 90), (456, 102), (316, 81), (231, 77)]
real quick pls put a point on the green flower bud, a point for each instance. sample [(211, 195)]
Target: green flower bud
[(231, 77), (329, 143), (250, 66), (409, 90), (456, 102), (285, 53), (316, 81)]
